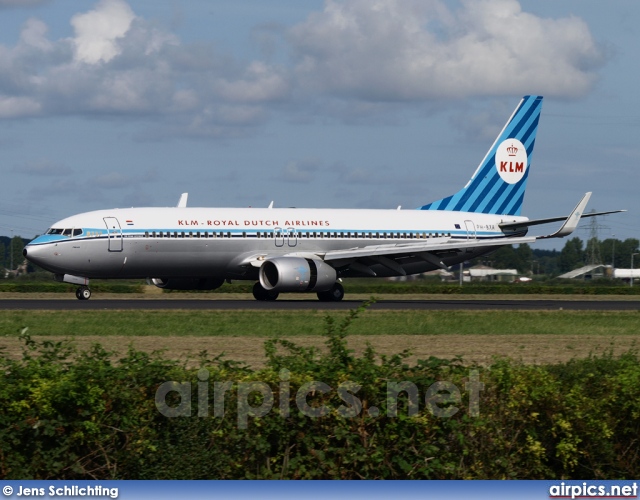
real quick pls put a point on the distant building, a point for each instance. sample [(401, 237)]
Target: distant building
[(486, 273), (626, 274), (588, 272), (601, 271)]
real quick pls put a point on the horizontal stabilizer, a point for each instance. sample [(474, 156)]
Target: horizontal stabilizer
[(536, 222), (570, 222)]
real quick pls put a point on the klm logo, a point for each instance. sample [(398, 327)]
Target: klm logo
[(511, 160), (510, 166)]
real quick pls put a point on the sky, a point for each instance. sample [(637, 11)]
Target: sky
[(337, 103)]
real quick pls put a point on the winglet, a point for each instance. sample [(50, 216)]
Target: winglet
[(183, 200), (572, 221)]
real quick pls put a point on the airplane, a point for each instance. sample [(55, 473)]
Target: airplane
[(306, 250)]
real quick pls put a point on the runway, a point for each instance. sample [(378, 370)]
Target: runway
[(306, 305)]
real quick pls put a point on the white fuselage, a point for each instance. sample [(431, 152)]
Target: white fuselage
[(217, 242)]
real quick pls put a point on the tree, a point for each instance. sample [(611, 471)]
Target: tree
[(625, 249), (572, 255), (15, 252), (524, 258), (610, 250), (503, 258)]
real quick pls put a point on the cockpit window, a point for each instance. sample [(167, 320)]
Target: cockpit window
[(65, 232)]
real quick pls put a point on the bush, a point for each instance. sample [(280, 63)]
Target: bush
[(26, 286), (82, 415), (377, 286)]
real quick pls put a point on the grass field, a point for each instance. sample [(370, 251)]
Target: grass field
[(532, 336), (305, 323)]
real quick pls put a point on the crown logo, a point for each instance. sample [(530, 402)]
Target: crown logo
[(512, 150)]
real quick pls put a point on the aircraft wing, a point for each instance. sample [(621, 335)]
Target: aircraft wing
[(361, 259), (435, 246), (431, 251)]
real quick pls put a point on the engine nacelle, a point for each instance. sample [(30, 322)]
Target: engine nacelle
[(187, 283), (296, 274)]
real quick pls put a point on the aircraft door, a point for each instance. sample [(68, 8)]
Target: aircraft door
[(279, 236), (292, 236), (114, 234), (471, 229)]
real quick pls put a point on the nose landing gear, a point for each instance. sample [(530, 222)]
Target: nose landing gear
[(83, 293)]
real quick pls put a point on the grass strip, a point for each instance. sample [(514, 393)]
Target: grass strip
[(302, 323)]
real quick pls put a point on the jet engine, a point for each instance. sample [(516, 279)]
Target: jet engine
[(187, 283), (296, 274)]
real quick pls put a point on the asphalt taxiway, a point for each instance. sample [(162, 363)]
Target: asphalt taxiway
[(303, 305)]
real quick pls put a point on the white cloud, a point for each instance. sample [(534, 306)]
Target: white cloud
[(259, 83), (98, 31), (119, 64), (12, 107), (354, 58), (34, 34), (415, 50)]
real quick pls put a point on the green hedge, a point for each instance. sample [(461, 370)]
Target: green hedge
[(84, 415), (19, 286), (373, 287), (356, 286)]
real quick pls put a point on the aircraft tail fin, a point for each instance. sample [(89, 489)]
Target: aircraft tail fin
[(499, 182)]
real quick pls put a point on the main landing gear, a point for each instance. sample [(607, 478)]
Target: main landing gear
[(334, 294), (262, 294), (83, 293)]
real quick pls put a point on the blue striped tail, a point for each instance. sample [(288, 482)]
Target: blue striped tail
[(498, 184)]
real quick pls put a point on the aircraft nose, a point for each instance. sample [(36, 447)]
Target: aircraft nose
[(34, 254)]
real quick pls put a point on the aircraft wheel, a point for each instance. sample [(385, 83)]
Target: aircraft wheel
[(83, 293), (335, 294), (260, 293)]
